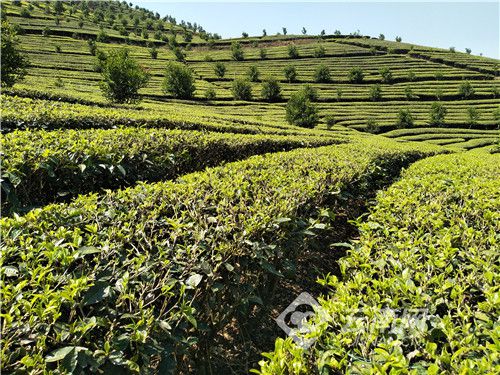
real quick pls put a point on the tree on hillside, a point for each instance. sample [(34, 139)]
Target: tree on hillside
[(386, 75), (465, 90), (399, 39), (262, 53), (319, 51), (375, 93), (284, 30), (253, 73), (179, 81), (473, 115), (13, 67), (356, 75), (301, 111), (237, 51), (322, 74), (405, 119), (244, 34), (468, 51), (241, 89), (293, 52), (381, 37), (264, 32), (290, 73), (58, 7), (323, 33), (122, 77), (271, 90), (304, 31), (220, 69), (437, 114)]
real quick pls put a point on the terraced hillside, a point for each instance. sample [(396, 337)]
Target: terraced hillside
[(165, 235)]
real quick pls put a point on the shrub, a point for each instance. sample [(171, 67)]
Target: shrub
[(304, 31), (57, 48), (465, 90), (14, 64), (372, 126), (473, 115), (322, 74), (264, 33), (437, 114), (179, 81), (237, 51), (179, 54), (284, 30), (253, 73), (92, 46), (468, 51), (122, 77), (154, 53), (399, 39), (386, 75), (293, 52), (375, 93), (330, 121), (319, 51), (310, 92), (262, 53), (405, 119), (220, 69), (25, 13), (210, 93), (452, 49), (244, 34), (58, 82), (271, 90), (58, 7), (241, 89), (300, 111), (409, 93), (102, 36), (356, 75), (381, 37), (290, 73), (208, 58), (339, 92)]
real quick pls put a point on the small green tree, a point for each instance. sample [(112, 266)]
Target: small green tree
[(322, 74), (180, 55), (58, 7), (153, 52), (319, 51), (237, 52), (405, 119), (437, 114), (210, 93), (122, 77), (264, 33), (330, 121), (290, 73), (301, 111), (468, 51), (356, 75), (241, 89), (465, 90), (271, 90), (473, 115), (253, 73), (381, 37), (14, 64), (399, 39), (244, 35), (284, 30), (220, 69), (262, 53), (179, 81), (375, 93), (293, 52), (372, 126), (310, 92), (409, 93), (386, 75), (304, 31)]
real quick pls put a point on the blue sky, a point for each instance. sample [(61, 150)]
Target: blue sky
[(442, 24)]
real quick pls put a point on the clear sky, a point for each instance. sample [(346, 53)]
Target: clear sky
[(442, 24)]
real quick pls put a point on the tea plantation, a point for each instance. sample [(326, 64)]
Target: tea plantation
[(162, 228)]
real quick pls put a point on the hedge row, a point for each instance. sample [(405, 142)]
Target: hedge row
[(41, 167), (420, 289), (144, 278)]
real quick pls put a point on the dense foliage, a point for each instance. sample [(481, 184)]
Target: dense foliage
[(14, 63)]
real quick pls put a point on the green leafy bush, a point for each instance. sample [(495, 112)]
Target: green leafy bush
[(122, 77), (319, 51), (241, 89), (437, 114), (465, 90), (322, 74), (253, 73), (179, 81), (14, 63), (301, 111), (237, 52), (290, 73), (220, 69), (271, 90), (293, 51), (356, 75), (405, 119), (375, 93)]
